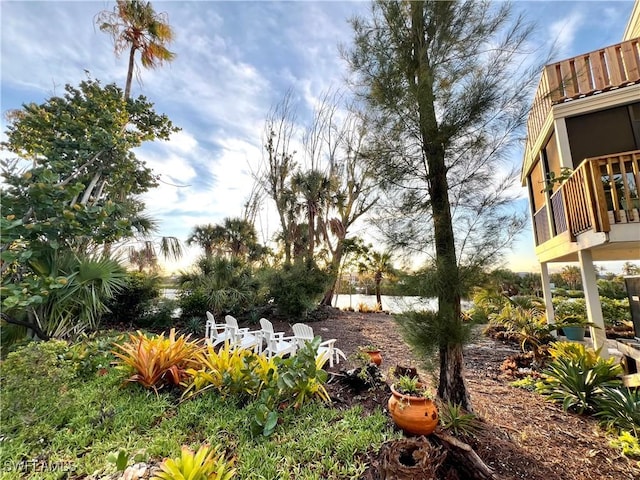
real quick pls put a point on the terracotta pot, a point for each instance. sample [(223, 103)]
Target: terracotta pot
[(375, 356), (414, 415)]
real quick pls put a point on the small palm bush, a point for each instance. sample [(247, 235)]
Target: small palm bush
[(156, 361), (576, 375)]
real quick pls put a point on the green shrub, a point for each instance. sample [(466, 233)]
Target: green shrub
[(576, 376), (220, 285), (297, 289), (619, 408), (570, 308), (130, 305), (613, 289), (159, 315), (193, 303), (615, 312)]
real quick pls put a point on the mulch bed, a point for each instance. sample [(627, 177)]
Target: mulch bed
[(524, 436)]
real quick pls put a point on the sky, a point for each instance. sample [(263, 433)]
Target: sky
[(234, 61)]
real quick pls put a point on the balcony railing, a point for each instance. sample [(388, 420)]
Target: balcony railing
[(600, 192), (612, 67)]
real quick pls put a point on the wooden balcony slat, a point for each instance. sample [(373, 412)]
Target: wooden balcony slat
[(583, 72), (600, 79), (601, 203), (612, 67), (631, 60), (568, 69), (614, 64), (554, 79)]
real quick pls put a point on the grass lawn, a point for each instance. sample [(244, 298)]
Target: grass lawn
[(65, 409)]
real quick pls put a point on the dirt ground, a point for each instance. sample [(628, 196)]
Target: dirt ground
[(524, 436)]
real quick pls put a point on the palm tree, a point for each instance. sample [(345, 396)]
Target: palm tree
[(144, 257), (134, 25), (572, 276), (316, 190), (209, 237), (240, 236), (380, 264)]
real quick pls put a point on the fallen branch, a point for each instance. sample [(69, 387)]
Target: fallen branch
[(466, 456)]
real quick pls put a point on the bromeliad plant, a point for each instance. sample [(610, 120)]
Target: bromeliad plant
[(619, 408), (205, 464), (156, 361), (576, 376), (230, 371)]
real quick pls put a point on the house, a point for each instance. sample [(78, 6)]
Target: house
[(582, 164)]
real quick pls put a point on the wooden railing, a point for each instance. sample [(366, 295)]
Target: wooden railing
[(595, 72), (601, 191)]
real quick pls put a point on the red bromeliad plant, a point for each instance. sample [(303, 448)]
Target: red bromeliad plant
[(156, 361)]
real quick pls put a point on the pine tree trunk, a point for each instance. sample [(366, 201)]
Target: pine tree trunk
[(451, 384)]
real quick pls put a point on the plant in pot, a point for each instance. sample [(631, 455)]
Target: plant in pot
[(412, 407), (573, 327), (374, 353)]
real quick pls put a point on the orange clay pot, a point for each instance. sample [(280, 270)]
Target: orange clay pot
[(375, 356), (414, 415)]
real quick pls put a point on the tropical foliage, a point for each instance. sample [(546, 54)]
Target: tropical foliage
[(205, 464), (155, 361), (71, 192), (576, 376), (134, 25), (220, 285)]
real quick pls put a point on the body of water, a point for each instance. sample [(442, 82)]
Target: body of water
[(389, 303)]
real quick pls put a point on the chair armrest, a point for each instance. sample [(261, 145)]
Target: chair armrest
[(328, 343)]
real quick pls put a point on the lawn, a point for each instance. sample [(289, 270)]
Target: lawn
[(65, 409)]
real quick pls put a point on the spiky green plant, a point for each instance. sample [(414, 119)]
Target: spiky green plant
[(576, 378), (457, 421), (205, 464), (619, 408)]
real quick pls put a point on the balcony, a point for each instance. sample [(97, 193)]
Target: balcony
[(608, 68), (601, 192)]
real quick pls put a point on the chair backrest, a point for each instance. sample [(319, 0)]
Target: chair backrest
[(302, 331), (210, 327), (231, 321), (266, 325)]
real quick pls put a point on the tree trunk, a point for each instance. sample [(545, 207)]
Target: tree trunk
[(378, 280), (451, 383), (31, 325), (127, 87), (336, 260)]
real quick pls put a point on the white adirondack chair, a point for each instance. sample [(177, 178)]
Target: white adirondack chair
[(217, 333), (242, 337), (276, 344), (327, 349)]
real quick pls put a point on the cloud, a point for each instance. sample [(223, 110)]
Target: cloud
[(563, 32)]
